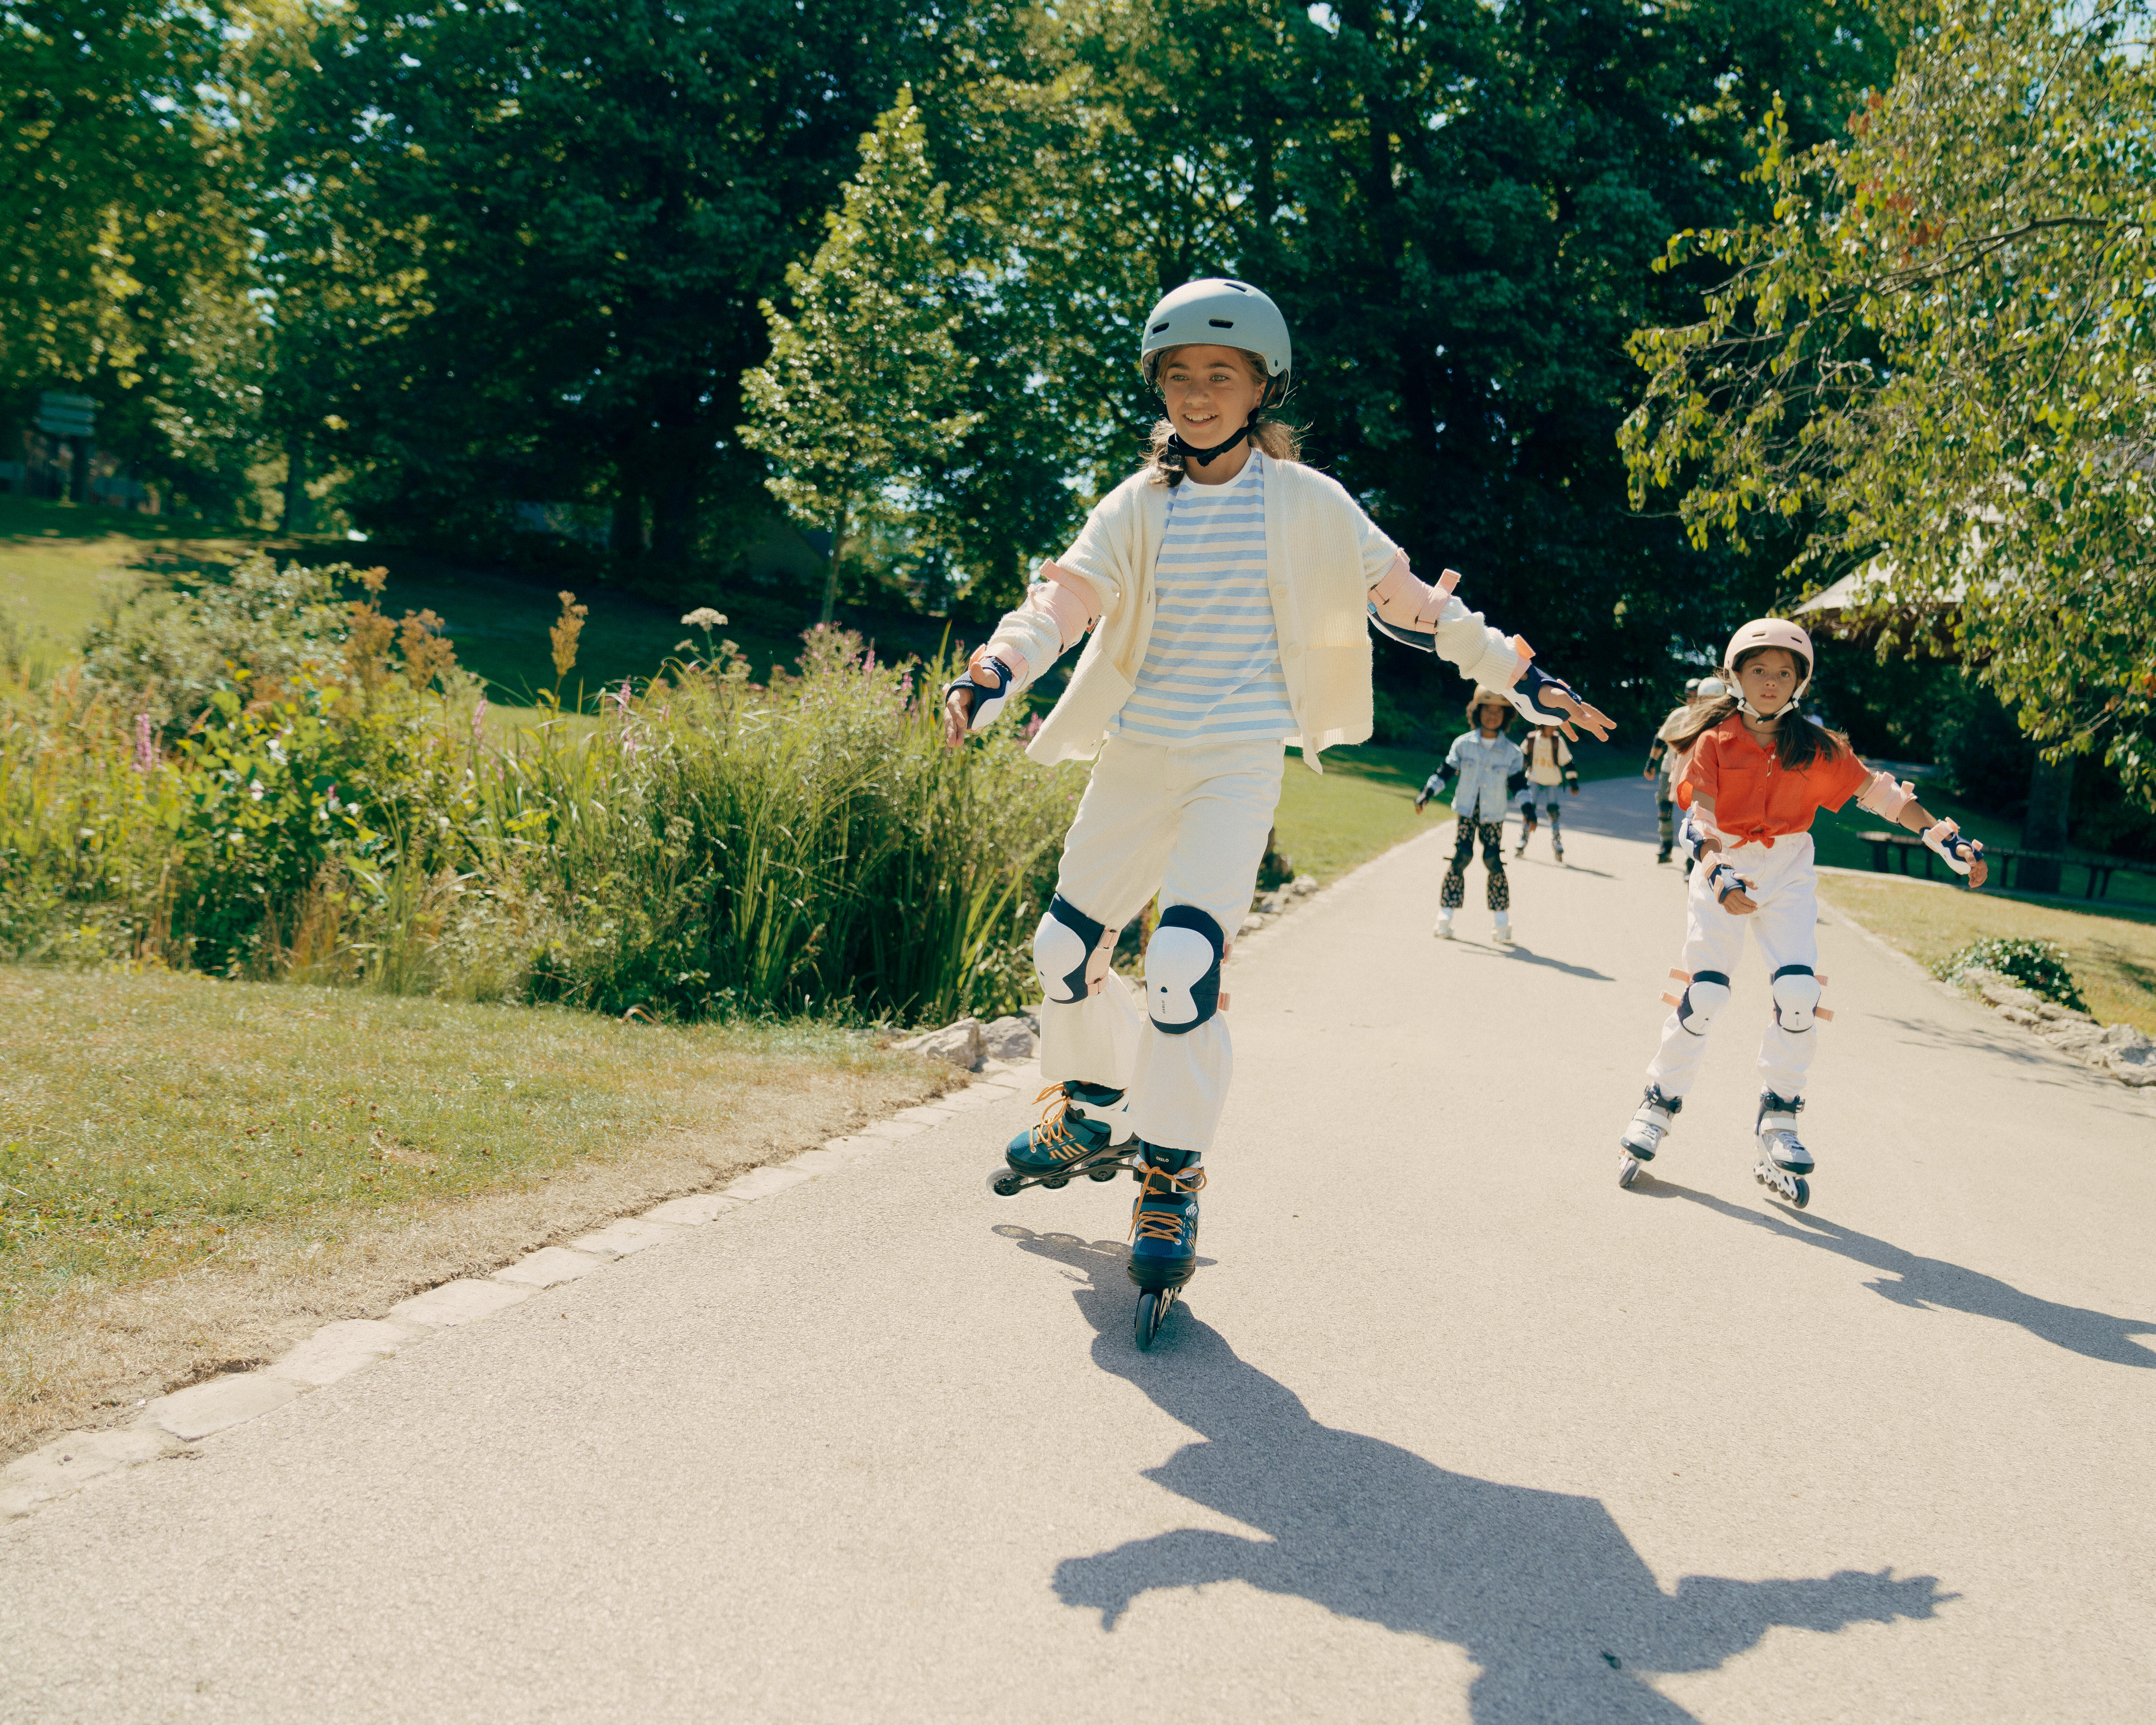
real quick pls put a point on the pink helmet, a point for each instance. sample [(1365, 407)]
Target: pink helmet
[(1773, 632)]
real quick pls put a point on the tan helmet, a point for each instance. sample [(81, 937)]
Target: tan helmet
[(1488, 697), (1771, 632)]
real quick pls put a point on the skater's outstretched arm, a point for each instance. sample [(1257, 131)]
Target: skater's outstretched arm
[(1406, 607), (1898, 802), (1059, 607)]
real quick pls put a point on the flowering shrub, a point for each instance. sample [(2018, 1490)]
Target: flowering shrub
[(333, 808)]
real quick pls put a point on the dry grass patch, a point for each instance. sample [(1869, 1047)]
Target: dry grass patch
[(194, 1174), (2113, 959)]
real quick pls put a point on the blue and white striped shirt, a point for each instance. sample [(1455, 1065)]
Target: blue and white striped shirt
[(1211, 670)]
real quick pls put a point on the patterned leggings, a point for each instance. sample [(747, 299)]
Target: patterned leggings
[(1453, 892)]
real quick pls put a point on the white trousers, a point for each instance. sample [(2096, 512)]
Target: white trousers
[(1190, 824), (1787, 927)]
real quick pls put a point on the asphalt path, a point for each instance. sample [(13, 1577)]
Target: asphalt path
[(1449, 1427)]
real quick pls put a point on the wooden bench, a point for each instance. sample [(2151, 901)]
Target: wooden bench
[(2002, 859)]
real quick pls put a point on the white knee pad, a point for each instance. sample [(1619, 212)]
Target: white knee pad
[(1182, 969), (1796, 993), (1071, 952), (1704, 997)]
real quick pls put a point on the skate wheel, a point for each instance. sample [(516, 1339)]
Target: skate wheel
[(1103, 1174), (1056, 1182), (1628, 1170), (1151, 1314), (1004, 1184), (1803, 1195)]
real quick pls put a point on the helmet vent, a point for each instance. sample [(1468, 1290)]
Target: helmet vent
[(1161, 325), (1221, 323)]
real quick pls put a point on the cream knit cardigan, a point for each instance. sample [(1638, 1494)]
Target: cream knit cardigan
[(1323, 557)]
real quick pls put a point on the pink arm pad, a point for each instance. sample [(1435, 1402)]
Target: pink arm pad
[(1406, 603), (1886, 797), (1068, 599)]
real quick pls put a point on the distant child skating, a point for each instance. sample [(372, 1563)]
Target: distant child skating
[(1756, 772), (1665, 763), (1484, 761), (1225, 592), (1548, 765)]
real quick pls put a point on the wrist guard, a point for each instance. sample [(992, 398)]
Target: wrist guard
[(987, 699), (1721, 881), (1961, 854), (1690, 839), (1533, 680)]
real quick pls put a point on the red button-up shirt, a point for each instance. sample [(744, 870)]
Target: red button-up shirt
[(1757, 798)]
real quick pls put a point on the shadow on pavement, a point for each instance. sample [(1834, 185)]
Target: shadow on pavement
[(1541, 1590), (1923, 1284)]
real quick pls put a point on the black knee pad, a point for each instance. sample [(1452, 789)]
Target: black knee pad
[(1063, 947), (1182, 969)]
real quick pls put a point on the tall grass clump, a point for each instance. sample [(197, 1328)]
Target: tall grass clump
[(278, 779), (807, 845)]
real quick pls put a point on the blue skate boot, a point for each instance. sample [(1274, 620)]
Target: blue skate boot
[(1078, 1134), (1784, 1161), (1164, 1233)]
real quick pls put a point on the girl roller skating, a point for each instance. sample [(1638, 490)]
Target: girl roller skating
[(1484, 760), (1548, 765), (1225, 588), (1755, 773)]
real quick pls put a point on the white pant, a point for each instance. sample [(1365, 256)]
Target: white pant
[(1787, 925), (1189, 824)]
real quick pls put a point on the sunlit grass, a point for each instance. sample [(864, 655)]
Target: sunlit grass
[(145, 1120), (2113, 959)]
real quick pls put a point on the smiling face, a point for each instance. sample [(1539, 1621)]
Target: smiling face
[(1768, 678), (1211, 393), (1492, 717)]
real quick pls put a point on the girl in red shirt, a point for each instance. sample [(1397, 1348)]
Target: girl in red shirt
[(1757, 773)]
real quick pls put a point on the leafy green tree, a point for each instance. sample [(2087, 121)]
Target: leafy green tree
[(1457, 205), (860, 394), (1933, 363), (126, 212), (559, 220)]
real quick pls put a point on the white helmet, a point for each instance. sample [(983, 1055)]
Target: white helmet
[(1771, 632), (1219, 313)]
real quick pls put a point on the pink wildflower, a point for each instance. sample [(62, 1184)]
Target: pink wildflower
[(479, 719), (146, 744)]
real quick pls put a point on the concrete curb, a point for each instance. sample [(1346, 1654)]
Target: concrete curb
[(171, 1424)]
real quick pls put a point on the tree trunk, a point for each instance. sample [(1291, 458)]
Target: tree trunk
[(297, 514), (78, 470), (625, 535), (2044, 827), (831, 575), (674, 521)]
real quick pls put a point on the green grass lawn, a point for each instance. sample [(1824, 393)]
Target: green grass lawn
[(2113, 959), (145, 1118), (1363, 804), (55, 559)]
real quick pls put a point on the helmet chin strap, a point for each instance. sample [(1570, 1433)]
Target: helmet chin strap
[(1185, 454), (1781, 712)]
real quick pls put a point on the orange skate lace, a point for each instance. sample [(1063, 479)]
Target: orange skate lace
[(1163, 1224), (1053, 1134)]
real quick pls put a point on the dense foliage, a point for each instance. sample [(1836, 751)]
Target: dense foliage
[(332, 805), (518, 251), (1932, 363)]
